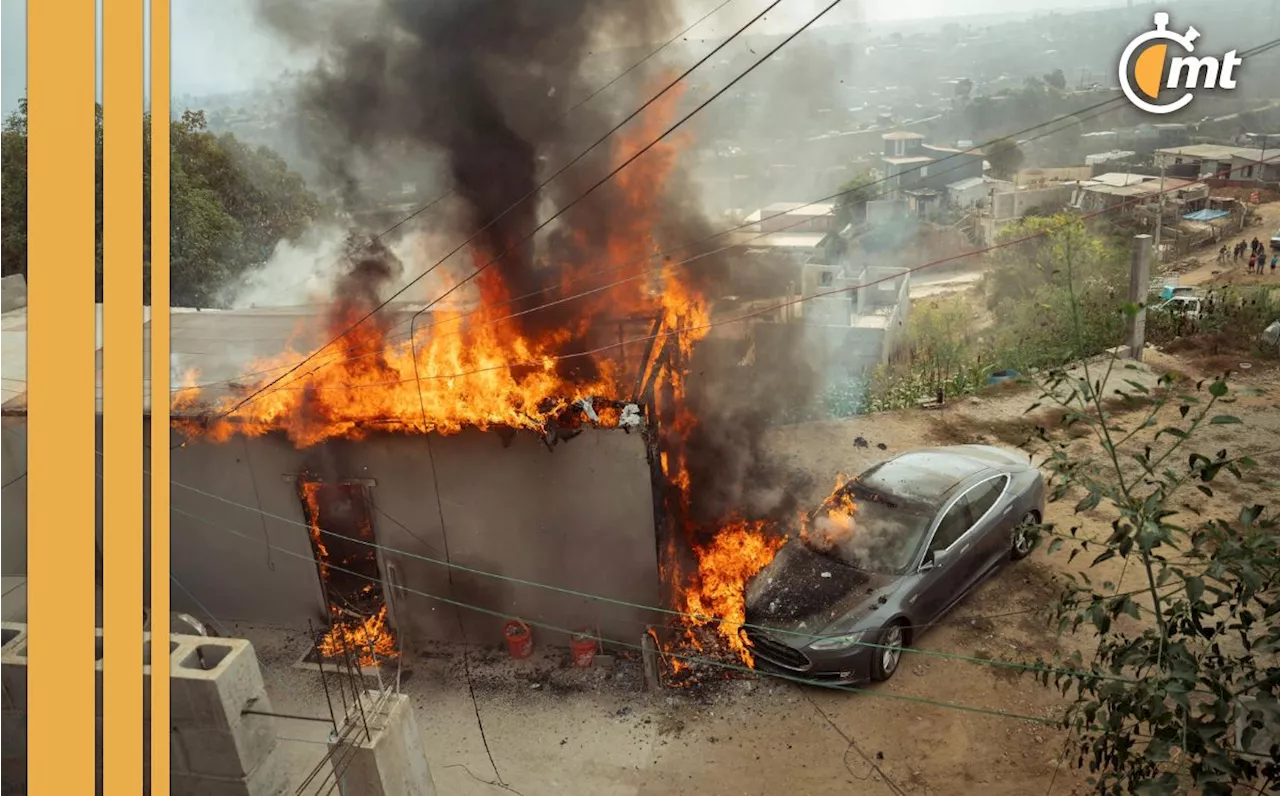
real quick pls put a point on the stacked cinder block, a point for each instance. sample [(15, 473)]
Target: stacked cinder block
[(390, 760), (217, 749), (13, 682)]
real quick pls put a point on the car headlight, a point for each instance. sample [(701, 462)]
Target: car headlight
[(840, 642)]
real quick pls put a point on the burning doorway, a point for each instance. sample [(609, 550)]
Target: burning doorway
[(339, 517)]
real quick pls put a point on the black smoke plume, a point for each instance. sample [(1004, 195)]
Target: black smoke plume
[(486, 86)]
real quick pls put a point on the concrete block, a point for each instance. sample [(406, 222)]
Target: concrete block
[(268, 779), (231, 753), (13, 670), (13, 735), (393, 761), (212, 680)]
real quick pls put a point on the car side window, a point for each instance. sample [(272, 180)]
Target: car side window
[(954, 523), (983, 496)]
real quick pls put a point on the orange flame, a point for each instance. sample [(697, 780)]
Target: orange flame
[(369, 641), (739, 551), (480, 371), (833, 523)]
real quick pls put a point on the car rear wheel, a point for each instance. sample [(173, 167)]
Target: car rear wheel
[(889, 652), (1024, 536)]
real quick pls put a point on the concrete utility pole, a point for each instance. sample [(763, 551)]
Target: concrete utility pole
[(1139, 287), (1159, 213)]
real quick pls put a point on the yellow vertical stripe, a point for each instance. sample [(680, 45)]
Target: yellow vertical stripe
[(122, 388), (61, 406), (159, 402)]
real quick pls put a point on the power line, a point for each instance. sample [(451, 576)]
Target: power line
[(1252, 51), (679, 656), (543, 361), (648, 608), (13, 480), (971, 150), (535, 190), (339, 356), (567, 113)]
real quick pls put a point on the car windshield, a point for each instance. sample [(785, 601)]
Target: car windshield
[(868, 529)]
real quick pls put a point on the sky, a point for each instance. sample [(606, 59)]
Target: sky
[(218, 46)]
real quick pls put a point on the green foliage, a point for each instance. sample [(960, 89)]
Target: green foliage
[(1056, 79), (1006, 158), (230, 205), (1155, 712), (1061, 276), (13, 192), (851, 207), (1240, 313)]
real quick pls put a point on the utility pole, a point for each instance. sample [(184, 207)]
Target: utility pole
[(1139, 288), (1159, 212)]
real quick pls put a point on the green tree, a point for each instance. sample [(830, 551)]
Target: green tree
[(851, 207), (1006, 158), (230, 205), (13, 192), (1056, 79), (1041, 302)]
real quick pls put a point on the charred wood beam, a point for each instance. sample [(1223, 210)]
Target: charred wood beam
[(648, 364)]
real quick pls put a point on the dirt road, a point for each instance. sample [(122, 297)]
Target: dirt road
[(1210, 272)]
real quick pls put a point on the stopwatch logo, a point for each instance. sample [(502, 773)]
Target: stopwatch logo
[(1146, 62)]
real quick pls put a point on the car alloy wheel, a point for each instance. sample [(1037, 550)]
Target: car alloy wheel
[(889, 653), (1022, 537)]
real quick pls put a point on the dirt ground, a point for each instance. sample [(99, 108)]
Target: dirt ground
[(556, 730)]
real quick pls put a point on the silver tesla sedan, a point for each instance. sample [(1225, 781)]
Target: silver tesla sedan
[(927, 528)]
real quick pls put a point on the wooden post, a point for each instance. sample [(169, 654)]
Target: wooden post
[(649, 659), (1139, 288)]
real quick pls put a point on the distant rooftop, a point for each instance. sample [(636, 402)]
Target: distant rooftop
[(815, 209), (1211, 152), (902, 135), (907, 161), (1121, 178)]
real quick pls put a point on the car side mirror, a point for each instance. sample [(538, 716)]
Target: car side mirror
[(933, 560)]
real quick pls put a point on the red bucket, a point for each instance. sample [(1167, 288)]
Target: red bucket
[(582, 647), (519, 639)]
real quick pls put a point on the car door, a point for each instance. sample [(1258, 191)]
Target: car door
[(988, 539), (937, 587)]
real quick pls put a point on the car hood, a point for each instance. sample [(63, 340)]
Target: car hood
[(803, 590)]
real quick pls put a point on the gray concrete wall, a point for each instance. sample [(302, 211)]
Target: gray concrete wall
[(579, 516)]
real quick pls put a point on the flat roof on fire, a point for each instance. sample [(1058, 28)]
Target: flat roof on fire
[(218, 345)]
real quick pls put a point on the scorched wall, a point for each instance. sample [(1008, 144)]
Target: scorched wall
[(579, 516)]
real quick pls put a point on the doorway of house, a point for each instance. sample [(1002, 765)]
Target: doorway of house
[(339, 517)]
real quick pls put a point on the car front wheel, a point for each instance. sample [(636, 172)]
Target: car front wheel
[(1024, 536), (889, 652)]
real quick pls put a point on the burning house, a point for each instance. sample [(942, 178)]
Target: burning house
[(335, 498), (368, 465)]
